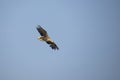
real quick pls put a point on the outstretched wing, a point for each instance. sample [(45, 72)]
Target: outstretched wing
[(52, 45), (41, 31)]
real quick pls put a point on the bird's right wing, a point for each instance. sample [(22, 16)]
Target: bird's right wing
[(52, 45)]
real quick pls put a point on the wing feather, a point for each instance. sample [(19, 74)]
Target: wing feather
[(52, 45), (41, 31)]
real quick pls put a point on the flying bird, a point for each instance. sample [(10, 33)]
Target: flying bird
[(44, 37)]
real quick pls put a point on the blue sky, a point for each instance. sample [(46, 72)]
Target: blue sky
[(86, 31)]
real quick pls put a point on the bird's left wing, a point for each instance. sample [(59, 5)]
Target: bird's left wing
[(41, 31)]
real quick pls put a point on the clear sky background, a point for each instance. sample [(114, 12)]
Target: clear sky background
[(86, 31)]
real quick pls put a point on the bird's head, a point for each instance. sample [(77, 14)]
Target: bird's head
[(40, 38)]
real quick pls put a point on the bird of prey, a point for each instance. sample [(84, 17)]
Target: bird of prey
[(44, 37)]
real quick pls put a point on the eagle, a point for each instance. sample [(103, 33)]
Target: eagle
[(44, 37)]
